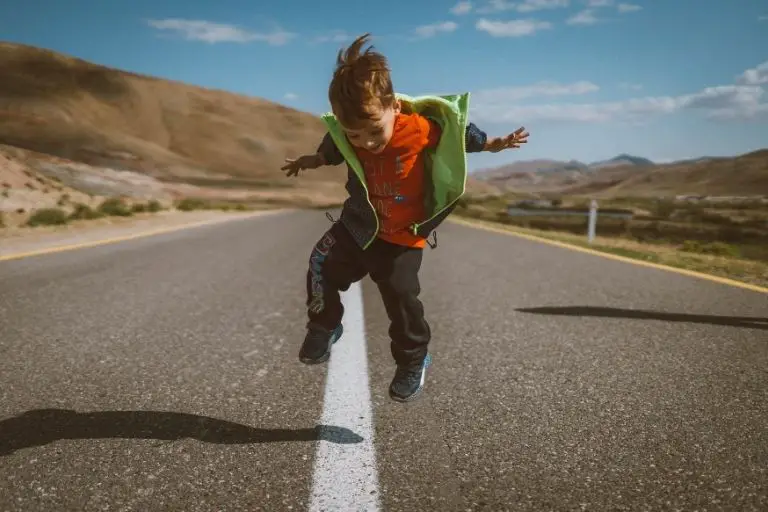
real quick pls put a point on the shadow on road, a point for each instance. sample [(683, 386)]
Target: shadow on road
[(732, 321), (43, 426)]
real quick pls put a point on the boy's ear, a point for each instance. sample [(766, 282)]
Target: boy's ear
[(397, 106)]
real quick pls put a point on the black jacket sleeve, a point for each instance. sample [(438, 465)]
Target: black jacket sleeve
[(475, 138), (330, 152)]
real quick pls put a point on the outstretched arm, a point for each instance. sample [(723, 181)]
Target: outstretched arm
[(327, 154), (477, 140)]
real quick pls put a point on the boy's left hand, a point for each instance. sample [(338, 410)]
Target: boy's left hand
[(511, 141)]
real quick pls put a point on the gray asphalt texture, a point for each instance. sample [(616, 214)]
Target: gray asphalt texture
[(162, 374)]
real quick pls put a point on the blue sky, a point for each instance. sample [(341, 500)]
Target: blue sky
[(588, 78)]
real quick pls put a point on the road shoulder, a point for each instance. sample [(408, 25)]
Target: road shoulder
[(19, 243)]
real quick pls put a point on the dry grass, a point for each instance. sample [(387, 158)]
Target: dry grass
[(752, 272), (741, 225)]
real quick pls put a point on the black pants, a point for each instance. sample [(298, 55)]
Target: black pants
[(337, 261)]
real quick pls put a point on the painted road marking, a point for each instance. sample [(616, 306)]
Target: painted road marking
[(142, 234), (345, 474), (564, 245)]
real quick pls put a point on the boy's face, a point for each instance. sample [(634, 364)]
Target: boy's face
[(374, 134)]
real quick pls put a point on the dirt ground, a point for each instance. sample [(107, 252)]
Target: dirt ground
[(15, 241)]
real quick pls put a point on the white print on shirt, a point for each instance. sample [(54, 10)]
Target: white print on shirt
[(376, 167), (382, 208), (385, 195), (386, 189)]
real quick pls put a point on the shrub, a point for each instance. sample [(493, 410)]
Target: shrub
[(154, 206), (115, 207), (192, 203), (139, 208), (48, 217), (713, 248), (84, 212), (664, 209)]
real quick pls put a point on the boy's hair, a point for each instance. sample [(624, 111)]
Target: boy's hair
[(361, 84)]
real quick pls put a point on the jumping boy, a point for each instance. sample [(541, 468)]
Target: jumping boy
[(406, 161)]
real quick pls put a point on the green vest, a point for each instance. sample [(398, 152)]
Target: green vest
[(445, 166)]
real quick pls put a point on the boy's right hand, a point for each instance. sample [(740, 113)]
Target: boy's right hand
[(303, 162)]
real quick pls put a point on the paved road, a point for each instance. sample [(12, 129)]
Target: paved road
[(162, 374)]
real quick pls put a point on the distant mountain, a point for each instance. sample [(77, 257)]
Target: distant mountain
[(621, 160), (557, 166), (631, 175), (528, 166)]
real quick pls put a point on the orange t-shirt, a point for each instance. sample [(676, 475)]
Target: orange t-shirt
[(395, 178)]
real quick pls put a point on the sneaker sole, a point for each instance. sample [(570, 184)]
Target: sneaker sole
[(415, 394), (334, 338)]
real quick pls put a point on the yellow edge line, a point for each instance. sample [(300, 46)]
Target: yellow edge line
[(564, 245), (105, 241)]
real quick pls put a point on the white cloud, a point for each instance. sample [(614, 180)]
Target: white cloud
[(628, 7), (585, 17), (494, 6), (762, 18), (461, 8), (426, 31), (538, 5), (497, 6), (211, 32), (622, 7), (290, 96), (742, 101), (335, 36), (514, 28), (503, 95), (754, 76)]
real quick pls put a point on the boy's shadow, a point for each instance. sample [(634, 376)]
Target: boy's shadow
[(604, 312), (43, 426)]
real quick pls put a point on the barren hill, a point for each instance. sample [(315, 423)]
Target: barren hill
[(70, 108), (744, 175)]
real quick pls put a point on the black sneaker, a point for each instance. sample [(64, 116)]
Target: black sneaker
[(317, 344), (409, 382)]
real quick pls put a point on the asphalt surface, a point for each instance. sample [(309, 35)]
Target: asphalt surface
[(162, 374)]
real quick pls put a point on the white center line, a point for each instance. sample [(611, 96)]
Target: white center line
[(345, 474)]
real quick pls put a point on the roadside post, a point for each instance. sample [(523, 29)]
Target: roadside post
[(592, 220)]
